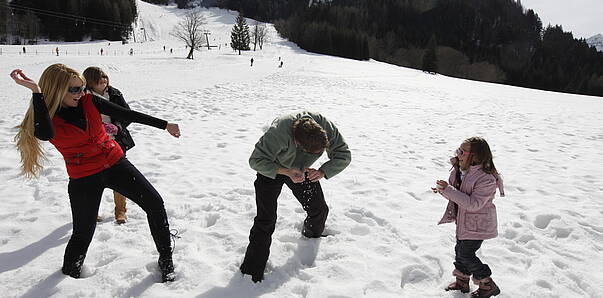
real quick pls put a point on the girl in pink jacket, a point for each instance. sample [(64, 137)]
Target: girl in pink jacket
[(470, 191)]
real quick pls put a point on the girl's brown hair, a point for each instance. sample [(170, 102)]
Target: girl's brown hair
[(481, 154), (93, 75)]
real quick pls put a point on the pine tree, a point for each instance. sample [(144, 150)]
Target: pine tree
[(239, 36), (4, 15), (430, 60), (182, 3)]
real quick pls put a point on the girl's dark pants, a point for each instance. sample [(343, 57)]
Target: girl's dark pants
[(467, 262), (267, 190), (85, 196)]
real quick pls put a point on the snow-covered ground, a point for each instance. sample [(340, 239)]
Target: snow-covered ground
[(596, 41), (401, 124)]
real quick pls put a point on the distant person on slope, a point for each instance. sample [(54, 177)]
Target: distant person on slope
[(60, 112), (97, 82), (470, 191), (284, 155)]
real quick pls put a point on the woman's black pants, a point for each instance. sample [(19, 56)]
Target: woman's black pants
[(85, 196)]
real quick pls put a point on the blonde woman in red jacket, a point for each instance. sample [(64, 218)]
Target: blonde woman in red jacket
[(470, 190), (61, 113)]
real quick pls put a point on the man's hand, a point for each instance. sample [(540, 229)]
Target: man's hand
[(296, 175), (315, 175)]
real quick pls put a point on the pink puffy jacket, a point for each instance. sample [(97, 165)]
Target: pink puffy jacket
[(471, 206)]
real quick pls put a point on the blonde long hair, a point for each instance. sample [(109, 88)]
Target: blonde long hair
[(54, 83)]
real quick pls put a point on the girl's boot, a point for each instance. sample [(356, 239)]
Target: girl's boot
[(461, 283), (120, 208), (487, 288)]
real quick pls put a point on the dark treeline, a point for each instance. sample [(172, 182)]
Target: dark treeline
[(494, 41), (160, 2), (264, 10), (71, 20), (185, 3), (180, 3)]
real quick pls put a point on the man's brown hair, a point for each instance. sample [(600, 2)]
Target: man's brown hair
[(310, 135)]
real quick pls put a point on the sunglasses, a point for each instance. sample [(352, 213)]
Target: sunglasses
[(76, 90), (460, 152)]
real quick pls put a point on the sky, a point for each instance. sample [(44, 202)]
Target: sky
[(584, 18), (383, 240)]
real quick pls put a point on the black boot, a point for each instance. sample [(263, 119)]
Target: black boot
[(160, 230), (255, 276), (309, 234), (73, 266), (166, 266)]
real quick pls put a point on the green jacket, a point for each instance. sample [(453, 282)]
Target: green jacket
[(277, 148)]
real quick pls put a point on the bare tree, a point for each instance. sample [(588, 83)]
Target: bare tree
[(190, 31), (258, 34), (254, 34)]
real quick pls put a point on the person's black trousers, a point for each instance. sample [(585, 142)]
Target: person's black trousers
[(467, 262), (85, 196), (267, 190)]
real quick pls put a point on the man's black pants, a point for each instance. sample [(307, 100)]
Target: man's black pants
[(267, 190), (467, 262), (85, 196)]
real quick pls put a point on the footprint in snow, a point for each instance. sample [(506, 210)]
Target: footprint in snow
[(542, 221)]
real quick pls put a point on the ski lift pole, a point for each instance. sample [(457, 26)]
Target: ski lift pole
[(206, 32), (145, 33)]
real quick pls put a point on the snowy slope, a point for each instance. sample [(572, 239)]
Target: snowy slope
[(401, 125), (596, 41)]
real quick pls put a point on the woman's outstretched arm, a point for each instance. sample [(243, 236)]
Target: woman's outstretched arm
[(113, 110)]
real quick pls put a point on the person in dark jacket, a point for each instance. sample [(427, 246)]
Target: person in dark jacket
[(284, 155), (61, 113), (97, 82)]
